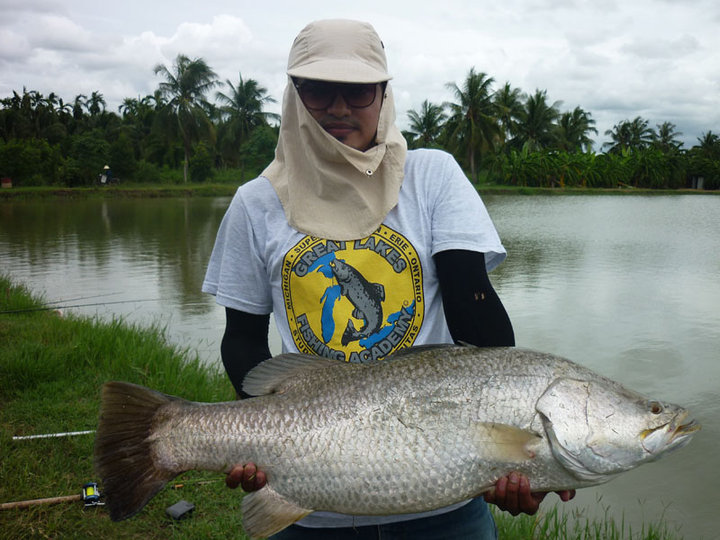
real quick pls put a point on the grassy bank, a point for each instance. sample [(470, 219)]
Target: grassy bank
[(51, 370)]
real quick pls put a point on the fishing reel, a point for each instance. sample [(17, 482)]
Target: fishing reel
[(91, 495)]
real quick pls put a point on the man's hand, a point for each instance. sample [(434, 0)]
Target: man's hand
[(247, 476), (512, 494)]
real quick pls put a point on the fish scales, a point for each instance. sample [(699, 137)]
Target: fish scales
[(425, 428)]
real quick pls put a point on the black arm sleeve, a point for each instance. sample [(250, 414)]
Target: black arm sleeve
[(472, 308), (244, 345)]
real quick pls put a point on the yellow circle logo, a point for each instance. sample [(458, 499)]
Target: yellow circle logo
[(355, 301)]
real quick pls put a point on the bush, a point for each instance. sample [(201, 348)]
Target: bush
[(146, 172), (91, 153), (122, 157), (30, 162), (201, 164)]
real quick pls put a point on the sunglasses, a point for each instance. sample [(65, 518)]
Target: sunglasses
[(319, 95)]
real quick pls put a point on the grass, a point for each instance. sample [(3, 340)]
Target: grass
[(556, 523), (51, 370)]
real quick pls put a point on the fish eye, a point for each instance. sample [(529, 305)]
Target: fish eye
[(655, 407)]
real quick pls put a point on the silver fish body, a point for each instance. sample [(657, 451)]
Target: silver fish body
[(423, 429)]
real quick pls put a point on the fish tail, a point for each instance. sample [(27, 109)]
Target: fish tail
[(124, 459)]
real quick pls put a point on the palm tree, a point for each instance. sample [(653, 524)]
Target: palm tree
[(665, 138), (426, 125), (709, 145), (128, 108), (509, 104), (573, 131), (95, 104), (242, 111), (185, 87), (472, 126), (78, 105), (629, 135), (536, 127)]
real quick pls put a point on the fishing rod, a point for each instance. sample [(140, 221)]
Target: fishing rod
[(51, 435), (50, 308), (82, 298), (90, 495)]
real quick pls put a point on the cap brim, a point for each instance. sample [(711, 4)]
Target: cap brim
[(339, 71)]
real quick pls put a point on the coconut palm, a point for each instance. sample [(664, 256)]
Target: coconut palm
[(573, 131), (78, 105), (629, 135), (473, 127), (509, 104), (665, 138), (95, 104), (536, 127), (426, 125), (185, 87), (709, 145), (242, 111)]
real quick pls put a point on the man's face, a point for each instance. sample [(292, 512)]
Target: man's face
[(348, 112)]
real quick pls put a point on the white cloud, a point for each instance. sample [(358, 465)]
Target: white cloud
[(618, 60), (60, 34)]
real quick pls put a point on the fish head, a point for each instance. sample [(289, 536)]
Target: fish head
[(597, 429), (340, 270)]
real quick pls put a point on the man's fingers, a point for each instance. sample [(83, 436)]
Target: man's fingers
[(248, 477), (566, 495), (260, 480), (252, 479), (234, 477)]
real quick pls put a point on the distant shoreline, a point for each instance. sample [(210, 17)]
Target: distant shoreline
[(228, 190)]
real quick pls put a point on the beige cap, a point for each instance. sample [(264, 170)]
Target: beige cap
[(338, 50)]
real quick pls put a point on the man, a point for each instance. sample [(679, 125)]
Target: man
[(359, 248)]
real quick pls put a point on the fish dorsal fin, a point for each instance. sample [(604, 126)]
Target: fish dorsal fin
[(265, 513), (278, 373)]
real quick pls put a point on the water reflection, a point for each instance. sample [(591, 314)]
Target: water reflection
[(628, 286), (145, 258)]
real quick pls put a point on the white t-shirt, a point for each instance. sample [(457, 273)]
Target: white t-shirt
[(358, 300)]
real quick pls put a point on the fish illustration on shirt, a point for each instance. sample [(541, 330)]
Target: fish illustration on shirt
[(365, 297)]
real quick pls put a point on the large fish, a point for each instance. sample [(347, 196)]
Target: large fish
[(422, 429)]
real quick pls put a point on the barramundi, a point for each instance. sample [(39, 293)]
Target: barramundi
[(425, 428)]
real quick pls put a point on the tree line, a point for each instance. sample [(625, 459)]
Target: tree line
[(194, 127)]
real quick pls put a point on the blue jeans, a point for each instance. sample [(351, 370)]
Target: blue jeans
[(472, 521)]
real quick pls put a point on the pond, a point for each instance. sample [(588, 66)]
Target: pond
[(626, 285)]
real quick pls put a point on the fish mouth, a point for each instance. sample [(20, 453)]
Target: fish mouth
[(685, 429), (670, 436)]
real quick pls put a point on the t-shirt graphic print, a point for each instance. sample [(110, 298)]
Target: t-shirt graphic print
[(355, 301)]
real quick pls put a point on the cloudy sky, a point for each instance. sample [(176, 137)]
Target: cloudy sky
[(618, 59)]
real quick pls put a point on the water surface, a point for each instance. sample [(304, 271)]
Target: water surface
[(628, 286)]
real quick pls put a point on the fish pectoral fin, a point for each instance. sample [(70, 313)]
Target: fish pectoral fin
[(266, 512), (505, 442)]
